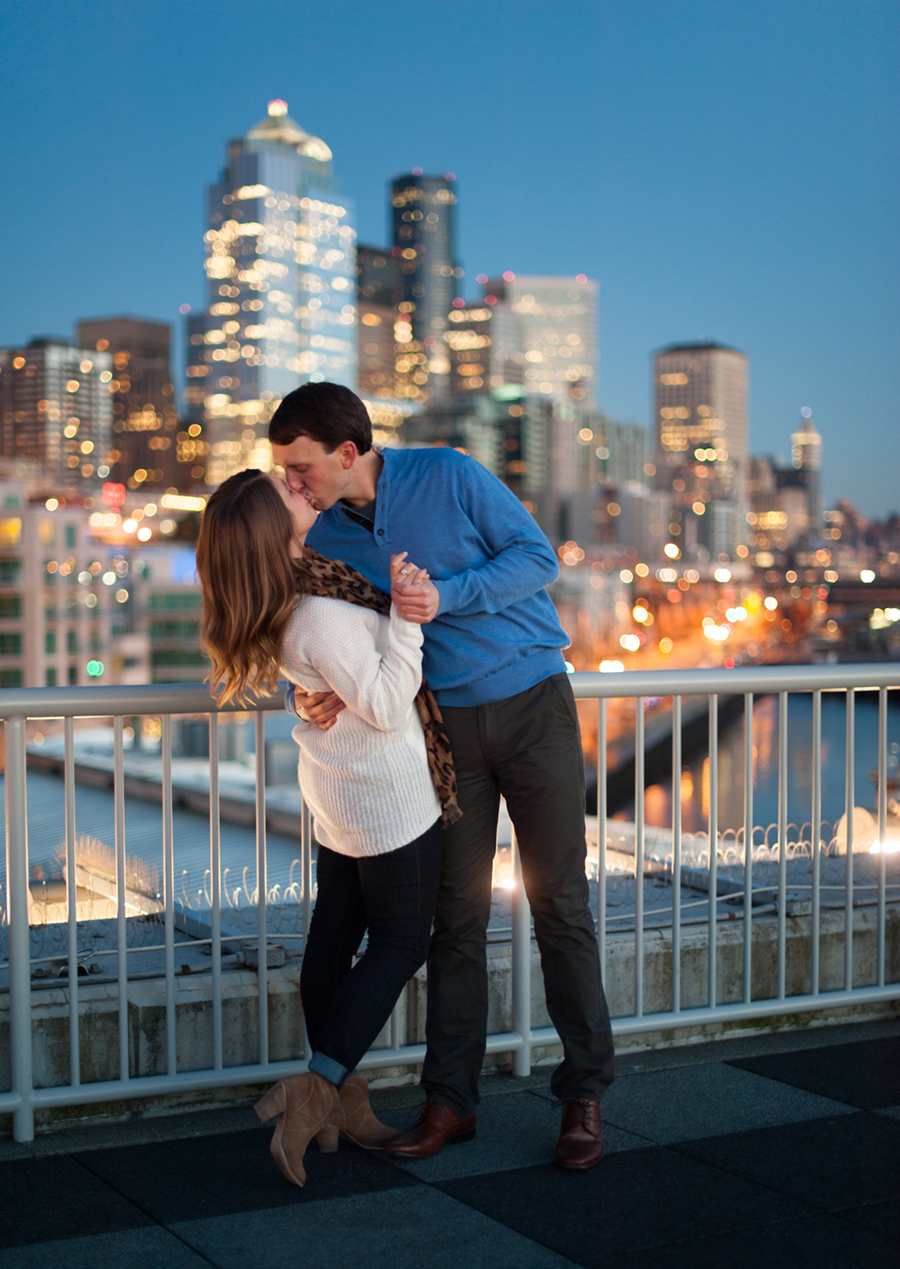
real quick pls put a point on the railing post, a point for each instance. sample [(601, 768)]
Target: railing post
[(17, 900), (262, 936), (521, 965)]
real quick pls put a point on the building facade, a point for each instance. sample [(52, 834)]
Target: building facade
[(148, 450), (622, 451), (700, 393), (550, 340), (377, 286), (806, 456), (65, 599), (281, 278), (485, 348), (422, 231), (56, 412)]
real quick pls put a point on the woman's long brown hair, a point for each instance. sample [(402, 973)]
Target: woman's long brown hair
[(248, 581)]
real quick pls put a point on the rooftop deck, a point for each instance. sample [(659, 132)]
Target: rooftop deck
[(779, 1149)]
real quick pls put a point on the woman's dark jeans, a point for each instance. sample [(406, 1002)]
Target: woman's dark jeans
[(393, 896)]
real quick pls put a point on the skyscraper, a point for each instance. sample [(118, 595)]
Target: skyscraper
[(281, 270), (701, 430), (56, 409), (556, 328), (485, 346), (377, 285), (146, 449), (806, 456), (423, 242)]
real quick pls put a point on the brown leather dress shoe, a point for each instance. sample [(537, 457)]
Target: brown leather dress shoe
[(435, 1126), (580, 1143)]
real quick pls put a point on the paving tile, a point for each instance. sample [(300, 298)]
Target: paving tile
[(731, 1046), (416, 1228), (44, 1199), (834, 1163), (233, 1172), (515, 1131), (816, 1240), (865, 1074), (883, 1217), (101, 1136), (149, 1248), (700, 1101), (632, 1200)]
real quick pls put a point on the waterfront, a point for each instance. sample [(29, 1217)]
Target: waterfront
[(695, 773)]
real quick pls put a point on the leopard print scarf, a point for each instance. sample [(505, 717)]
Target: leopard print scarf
[(317, 575)]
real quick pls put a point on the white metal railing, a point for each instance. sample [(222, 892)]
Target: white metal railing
[(17, 706)]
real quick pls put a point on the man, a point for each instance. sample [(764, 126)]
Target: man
[(493, 658)]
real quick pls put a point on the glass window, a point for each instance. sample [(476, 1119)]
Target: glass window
[(10, 531), (70, 534), (11, 645), (10, 606), (9, 572), (50, 677), (50, 641), (71, 641), (73, 676), (10, 678)]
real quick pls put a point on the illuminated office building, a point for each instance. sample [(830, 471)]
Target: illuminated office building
[(148, 449), (806, 457), (701, 431), (551, 324), (281, 271), (422, 231), (485, 349), (377, 284), (56, 412)]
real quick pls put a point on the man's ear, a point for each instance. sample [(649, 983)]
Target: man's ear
[(349, 454)]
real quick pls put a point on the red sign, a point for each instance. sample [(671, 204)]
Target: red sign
[(113, 494)]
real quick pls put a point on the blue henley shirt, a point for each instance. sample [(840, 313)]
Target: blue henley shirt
[(496, 632)]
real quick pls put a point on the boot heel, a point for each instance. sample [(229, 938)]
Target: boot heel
[(270, 1104), (327, 1139), (463, 1136)]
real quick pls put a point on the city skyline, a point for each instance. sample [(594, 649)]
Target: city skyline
[(795, 269)]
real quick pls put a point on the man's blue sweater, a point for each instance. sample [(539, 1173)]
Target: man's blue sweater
[(496, 632)]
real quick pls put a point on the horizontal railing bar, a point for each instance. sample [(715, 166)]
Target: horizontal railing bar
[(229, 1076), (154, 1085), (195, 698), (774, 678), (145, 698)]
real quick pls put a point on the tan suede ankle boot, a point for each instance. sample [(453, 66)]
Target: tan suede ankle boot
[(360, 1124), (306, 1106)]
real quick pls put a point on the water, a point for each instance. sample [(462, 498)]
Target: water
[(695, 781)]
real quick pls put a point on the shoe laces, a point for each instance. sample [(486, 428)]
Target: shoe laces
[(585, 1108)]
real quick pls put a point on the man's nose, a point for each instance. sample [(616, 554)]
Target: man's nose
[(294, 481)]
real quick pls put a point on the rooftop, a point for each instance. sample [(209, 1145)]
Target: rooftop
[(279, 126), (777, 1149)]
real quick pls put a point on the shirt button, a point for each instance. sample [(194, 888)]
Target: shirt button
[(381, 533)]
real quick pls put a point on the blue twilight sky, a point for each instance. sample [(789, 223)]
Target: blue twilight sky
[(725, 169)]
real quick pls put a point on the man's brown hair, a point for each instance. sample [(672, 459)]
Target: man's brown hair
[(325, 412)]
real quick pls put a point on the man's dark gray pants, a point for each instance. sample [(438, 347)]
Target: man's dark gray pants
[(527, 748)]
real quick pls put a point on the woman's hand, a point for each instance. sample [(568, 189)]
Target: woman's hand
[(404, 572), (413, 593)]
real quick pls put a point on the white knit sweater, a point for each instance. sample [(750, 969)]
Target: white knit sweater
[(366, 779)]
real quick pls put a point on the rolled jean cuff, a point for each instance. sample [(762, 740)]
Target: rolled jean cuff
[(330, 1070)]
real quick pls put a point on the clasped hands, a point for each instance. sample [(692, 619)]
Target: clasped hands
[(415, 597)]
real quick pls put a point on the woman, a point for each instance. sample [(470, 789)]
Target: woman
[(366, 780)]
